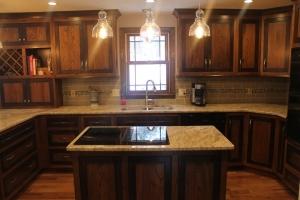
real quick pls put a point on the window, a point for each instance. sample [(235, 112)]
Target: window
[(142, 61)]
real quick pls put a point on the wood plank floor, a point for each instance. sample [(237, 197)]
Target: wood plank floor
[(240, 186)]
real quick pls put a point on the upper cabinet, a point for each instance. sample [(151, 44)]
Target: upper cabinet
[(276, 44), (255, 43), (78, 53), (296, 25), (248, 45), (12, 34), (207, 55)]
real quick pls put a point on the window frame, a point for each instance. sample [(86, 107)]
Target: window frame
[(125, 33)]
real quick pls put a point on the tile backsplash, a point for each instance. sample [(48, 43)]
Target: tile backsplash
[(219, 90)]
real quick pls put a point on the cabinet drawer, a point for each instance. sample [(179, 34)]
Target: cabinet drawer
[(61, 138), (150, 120), (8, 138), (22, 174), (291, 180), (60, 157), (96, 121), (293, 157), (62, 122), (17, 152)]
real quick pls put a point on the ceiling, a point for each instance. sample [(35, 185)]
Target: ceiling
[(130, 5)]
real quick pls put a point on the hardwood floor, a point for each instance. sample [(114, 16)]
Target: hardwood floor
[(240, 186)]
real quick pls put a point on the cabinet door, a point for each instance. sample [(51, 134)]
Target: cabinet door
[(150, 178), (296, 39), (37, 33), (13, 93), (10, 34), (261, 138), (99, 52), (194, 58), (276, 43), (248, 45), (68, 47), (234, 133), (221, 45), (40, 92), (100, 178)]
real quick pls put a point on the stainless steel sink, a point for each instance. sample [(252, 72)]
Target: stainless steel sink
[(150, 108)]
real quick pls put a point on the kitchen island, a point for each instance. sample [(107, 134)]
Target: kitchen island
[(191, 165)]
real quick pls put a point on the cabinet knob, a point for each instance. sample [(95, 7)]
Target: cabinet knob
[(250, 122), (265, 63), (28, 101), (24, 39), (209, 62), (86, 63), (20, 39), (205, 62), (241, 62)]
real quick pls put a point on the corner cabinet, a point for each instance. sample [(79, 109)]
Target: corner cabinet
[(261, 142), (207, 55), (77, 53), (276, 44), (28, 92)]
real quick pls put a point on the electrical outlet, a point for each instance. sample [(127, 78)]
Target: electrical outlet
[(73, 93), (181, 92), (115, 92)]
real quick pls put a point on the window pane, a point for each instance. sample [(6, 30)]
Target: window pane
[(132, 51), (132, 74), (162, 51), (163, 74)]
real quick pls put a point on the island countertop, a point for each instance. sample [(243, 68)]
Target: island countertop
[(181, 138)]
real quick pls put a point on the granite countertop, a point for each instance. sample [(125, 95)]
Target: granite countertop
[(12, 117), (181, 138)]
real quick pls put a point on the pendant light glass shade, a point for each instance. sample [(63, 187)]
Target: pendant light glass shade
[(150, 29), (199, 28), (102, 29)]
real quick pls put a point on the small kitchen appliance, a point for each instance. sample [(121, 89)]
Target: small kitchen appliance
[(198, 94)]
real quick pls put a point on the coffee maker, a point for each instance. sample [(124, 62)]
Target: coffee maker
[(198, 94)]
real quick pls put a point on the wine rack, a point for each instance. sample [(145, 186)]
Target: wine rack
[(11, 62)]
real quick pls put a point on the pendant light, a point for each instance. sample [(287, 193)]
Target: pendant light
[(102, 29), (1, 45), (150, 29), (199, 28)]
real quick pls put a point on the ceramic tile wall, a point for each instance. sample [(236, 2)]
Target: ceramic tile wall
[(219, 90)]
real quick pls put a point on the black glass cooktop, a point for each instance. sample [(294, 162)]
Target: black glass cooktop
[(134, 135)]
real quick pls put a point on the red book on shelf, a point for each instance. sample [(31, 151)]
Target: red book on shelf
[(31, 65)]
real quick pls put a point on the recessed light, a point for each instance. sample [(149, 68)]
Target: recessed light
[(150, 1), (248, 1), (52, 3)]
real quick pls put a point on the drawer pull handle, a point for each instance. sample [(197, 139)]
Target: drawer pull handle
[(13, 181), (29, 145), (9, 158), (66, 156)]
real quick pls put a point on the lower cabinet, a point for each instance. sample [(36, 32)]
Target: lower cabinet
[(292, 165), (148, 120), (148, 176), (235, 133), (261, 142), (18, 159), (61, 130), (22, 93)]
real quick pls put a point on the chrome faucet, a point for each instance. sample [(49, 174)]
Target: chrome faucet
[(146, 96)]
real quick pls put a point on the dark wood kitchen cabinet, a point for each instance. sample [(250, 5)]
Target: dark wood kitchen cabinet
[(276, 44), (292, 165), (148, 120), (78, 53), (220, 48), (18, 159), (260, 142), (26, 92), (235, 133), (25, 33), (248, 45), (212, 54), (296, 25), (60, 130)]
